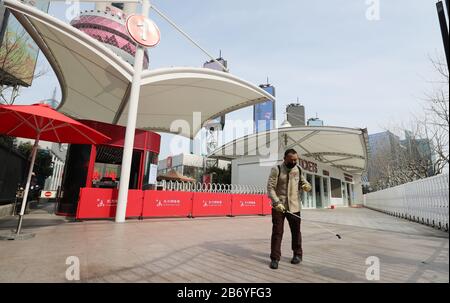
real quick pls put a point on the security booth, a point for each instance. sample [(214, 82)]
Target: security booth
[(92, 172)]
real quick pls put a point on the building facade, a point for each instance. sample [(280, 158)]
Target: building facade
[(58, 153), (330, 185), (315, 122), (332, 159), (296, 114), (189, 165)]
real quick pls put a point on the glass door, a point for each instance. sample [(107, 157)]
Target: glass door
[(344, 193), (326, 191), (318, 191), (309, 201)]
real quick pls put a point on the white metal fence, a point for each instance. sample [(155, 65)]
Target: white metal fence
[(424, 201), (212, 188)]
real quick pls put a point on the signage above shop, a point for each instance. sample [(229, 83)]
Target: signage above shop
[(308, 165), (348, 178)]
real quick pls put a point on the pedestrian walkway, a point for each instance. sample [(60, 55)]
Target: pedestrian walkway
[(225, 249)]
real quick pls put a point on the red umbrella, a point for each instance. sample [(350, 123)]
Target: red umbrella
[(41, 122)]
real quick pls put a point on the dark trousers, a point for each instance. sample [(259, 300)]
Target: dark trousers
[(277, 234)]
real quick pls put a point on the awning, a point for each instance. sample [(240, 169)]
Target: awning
[(344, 148), (95, 82)]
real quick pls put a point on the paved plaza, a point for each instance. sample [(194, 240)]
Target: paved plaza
[(224, 249)]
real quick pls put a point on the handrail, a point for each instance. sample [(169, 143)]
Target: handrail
[(210, 187)]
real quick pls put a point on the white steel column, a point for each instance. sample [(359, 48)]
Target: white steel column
[(131, 127), (313, 191), (322, 194)]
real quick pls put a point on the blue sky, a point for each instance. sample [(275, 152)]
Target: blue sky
[(350, 71)]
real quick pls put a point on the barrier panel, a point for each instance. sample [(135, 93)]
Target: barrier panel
[(101, 203), (167, 203), (98, 203), (135, 203), (211, 204), (246, 204), (266, 205), (424, 201)]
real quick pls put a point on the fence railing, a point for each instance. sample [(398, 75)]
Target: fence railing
[(211, 187), (424, 201)]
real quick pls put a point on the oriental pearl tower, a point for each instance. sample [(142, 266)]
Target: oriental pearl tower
[(106, 23)]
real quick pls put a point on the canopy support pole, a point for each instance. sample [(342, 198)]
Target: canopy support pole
[(133, 105), (27, 187)]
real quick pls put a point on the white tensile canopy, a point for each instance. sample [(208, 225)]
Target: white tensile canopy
[(95, 82), (344, 148)]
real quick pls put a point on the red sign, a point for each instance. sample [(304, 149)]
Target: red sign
[(143, 30), (99, 203), (211, 204), (167, 203), (266, 205), (48, 194), (246, 204)]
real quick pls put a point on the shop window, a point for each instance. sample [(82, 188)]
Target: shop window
[(336, 188), (150, 158), (107, 168)]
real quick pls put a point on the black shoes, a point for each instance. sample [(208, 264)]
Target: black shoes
[(274, 264), (296, 259)]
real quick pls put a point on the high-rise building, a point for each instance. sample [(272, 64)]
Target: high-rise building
[(106, 23), (296, 114), (384, 147), (264, 113), (315, 122)]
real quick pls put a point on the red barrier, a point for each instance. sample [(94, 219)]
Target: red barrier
[(245, 204), (266, 205), (135, 203), (167, 203), (98, 203), (211, 204)]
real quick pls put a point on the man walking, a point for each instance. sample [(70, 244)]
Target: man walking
[(283, 187)]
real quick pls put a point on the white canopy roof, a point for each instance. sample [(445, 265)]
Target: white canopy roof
[(345, 148), (95, 82)]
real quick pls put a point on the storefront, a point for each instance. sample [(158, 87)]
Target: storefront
[(332, 160), (97, 167)]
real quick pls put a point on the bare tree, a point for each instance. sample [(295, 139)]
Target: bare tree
[(425, 150), (435, 124)]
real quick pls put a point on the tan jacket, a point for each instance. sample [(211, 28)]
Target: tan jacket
[(288, 193)]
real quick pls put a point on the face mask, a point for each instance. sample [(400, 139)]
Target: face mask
[(291, 165)]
